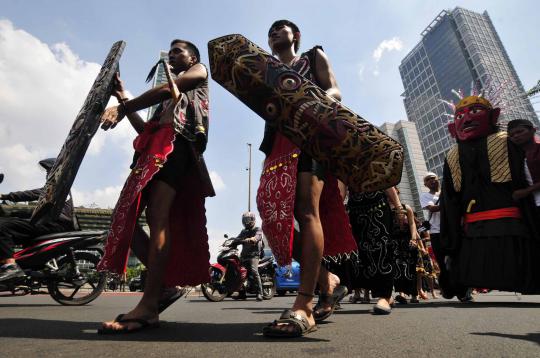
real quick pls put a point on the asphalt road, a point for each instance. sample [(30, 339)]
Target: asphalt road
[(497, 325)]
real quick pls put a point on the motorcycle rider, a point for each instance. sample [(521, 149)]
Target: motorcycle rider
[(15, 230), (252, 245)]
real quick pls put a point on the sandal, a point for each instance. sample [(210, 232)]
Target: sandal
[(167, 301), (287, 319), (400, 299), (144, 324), (333, 300)]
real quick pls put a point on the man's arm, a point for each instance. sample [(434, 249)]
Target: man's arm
[(18, 196), (325, 75), (393, 197), (523, 193), (120, 93), (412, 223), (426, 200), (433, 208), (185, 82), (258, 236)]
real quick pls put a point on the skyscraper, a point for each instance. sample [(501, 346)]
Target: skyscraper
[(460, 49), (159, 78), (414, 166)]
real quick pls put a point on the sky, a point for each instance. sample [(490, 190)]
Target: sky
[(51, 52)]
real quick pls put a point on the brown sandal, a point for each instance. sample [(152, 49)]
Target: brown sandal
[(287, 319)]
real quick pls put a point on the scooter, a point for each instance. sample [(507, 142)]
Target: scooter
[(228, 278), (64, 263)]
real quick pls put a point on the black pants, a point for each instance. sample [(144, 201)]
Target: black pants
[(447, 280), (16, 231), (252, 265)]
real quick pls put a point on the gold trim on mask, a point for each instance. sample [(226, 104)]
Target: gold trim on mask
[(469, 101)]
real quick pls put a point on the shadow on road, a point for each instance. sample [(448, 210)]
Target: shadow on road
[(29, 305), (532, 337), (168, 332), (258, 310), (469, 304)]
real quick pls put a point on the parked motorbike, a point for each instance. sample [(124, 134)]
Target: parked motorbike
[(228, 278)]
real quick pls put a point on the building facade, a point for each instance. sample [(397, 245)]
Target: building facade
[(459, 51), (159, 78), (414, 164)]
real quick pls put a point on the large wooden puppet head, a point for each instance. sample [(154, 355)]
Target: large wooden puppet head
[(474, 117)]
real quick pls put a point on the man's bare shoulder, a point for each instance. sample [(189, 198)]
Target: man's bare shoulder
[(320, 54), (197, 71)]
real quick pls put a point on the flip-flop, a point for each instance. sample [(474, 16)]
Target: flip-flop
[(144, 324), (289, 318), (166, 302), (339, 293)]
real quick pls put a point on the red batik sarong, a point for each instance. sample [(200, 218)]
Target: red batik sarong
[(189, 257), (275, 201)]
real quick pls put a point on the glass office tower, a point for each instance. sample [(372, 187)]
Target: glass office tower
[(159, 79), (460, 49)]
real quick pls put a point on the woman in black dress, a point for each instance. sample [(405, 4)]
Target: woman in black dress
[(371, 220)]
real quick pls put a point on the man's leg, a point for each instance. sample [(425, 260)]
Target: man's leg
[(254, 268), (161, 197), (11, 230), (139, 244), (308, 193)]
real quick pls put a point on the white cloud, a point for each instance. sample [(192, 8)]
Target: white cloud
[(42, 89), (360, 71), (102, 198), (217, 181), (394, 44)]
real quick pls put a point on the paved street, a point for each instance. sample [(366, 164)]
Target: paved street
[(497, 325)]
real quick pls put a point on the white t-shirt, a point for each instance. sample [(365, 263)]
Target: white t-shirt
[(427, 199), (528, 176)]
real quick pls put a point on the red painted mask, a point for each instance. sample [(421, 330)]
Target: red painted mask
[(474, 121)]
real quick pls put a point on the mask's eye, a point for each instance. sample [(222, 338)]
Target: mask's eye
[(289, 81), (459, 116), (476, 110), (272, 109)]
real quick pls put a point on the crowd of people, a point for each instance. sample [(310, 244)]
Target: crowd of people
[(480, 231)]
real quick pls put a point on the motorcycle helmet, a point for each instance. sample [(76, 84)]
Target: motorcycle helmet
[(248, 220), (47, 164)]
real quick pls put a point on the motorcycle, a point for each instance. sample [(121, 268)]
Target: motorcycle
[(64, 263), (228, 278)]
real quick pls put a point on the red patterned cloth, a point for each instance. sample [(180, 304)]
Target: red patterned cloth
[(275, 201), (189, 257)]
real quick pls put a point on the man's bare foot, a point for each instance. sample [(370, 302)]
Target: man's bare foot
[(383, 302), (383, 306), (302, 305), (326, 287)]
